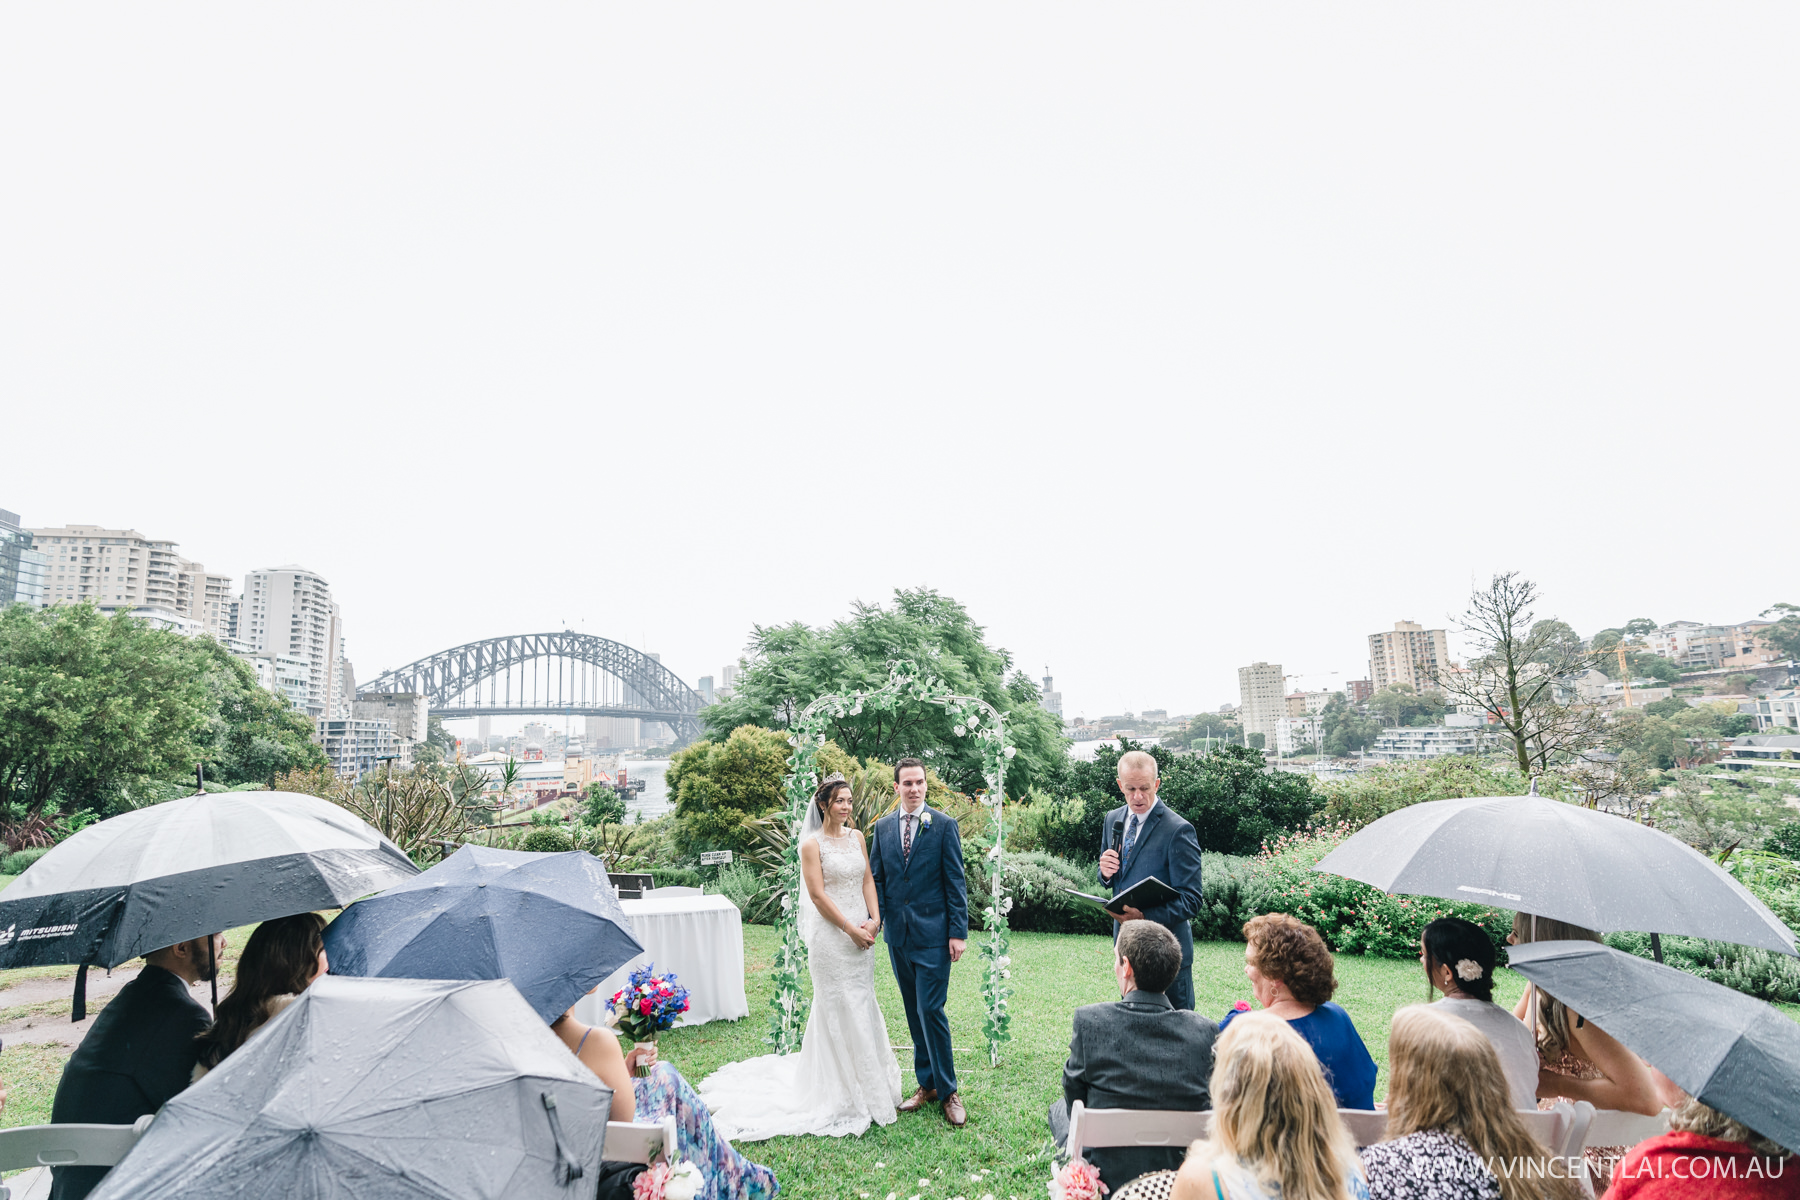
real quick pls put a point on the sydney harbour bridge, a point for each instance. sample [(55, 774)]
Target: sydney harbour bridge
[(571, 674)]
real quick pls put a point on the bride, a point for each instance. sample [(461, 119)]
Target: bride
[(845, 1075)]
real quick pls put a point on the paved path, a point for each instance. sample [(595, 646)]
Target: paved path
[(55, 1027)]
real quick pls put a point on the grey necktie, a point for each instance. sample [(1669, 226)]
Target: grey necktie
[(1131, 833)]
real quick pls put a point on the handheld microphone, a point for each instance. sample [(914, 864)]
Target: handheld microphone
[(1118, 838)]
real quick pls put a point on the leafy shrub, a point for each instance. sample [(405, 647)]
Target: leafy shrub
[(1036, 883), (674, 877), (16, 864), (754, 898), (545, 840), (1759, 973), (1373, 793), (1225, 887)]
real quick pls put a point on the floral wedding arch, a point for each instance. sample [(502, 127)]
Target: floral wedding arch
[(973, 718)]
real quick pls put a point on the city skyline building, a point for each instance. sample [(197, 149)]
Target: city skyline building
[(1049, 697), (24, 571), (289, 611), (1262, 699), (1410, 654), (121, 568)]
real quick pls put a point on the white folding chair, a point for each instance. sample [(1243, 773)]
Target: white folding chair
[(1559, 1130), (1611, 1127), (66, 1146), (1106, 1127), (641, 1142), (1366, 1125), (676, 891)]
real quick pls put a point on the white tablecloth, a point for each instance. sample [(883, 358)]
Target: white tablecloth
[(701, 939)]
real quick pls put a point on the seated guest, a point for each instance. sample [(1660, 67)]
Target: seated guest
[(729, 1175), (1459, 962), (1706, 1156), (1449, 1116), (139, 1053), (1291, 975), (1138, 1052), (1275, 1128), (279, 961)]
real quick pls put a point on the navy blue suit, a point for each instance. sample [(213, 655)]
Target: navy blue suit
[(924, 903), (1166, 847)]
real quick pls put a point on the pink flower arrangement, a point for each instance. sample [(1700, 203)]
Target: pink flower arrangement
[(1078, 1180), (663, 1182)]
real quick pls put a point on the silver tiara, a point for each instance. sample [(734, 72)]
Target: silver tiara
[(834, 777)]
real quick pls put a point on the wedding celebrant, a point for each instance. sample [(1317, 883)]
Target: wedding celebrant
[(1154, 841), (918, 873)]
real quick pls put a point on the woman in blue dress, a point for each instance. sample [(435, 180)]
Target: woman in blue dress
[(1291, 974), (728, 1174)]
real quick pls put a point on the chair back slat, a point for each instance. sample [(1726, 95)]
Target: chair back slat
[(675, 890), (1611, 1127), (1091, 1128), (641, 1141), (1366, 1125), (65, 1145)]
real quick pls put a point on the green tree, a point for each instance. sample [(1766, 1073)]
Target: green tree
[(92, 706), (1641, 663), (1208, 729), (1347, 731), (1381, 789), (251, 734), (1784, 635), (789, 666), (718, 786), (1398, 704), (1640, 627), (603, 806)]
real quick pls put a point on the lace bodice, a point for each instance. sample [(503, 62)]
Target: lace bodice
[(841, 862)]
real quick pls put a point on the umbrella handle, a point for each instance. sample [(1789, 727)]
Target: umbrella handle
[(567, 1169), (78, 1010)]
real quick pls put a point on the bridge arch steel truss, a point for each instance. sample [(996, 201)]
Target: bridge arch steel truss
[(574, 674)]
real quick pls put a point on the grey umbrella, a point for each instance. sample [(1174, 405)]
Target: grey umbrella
[(382, 1089), (1537, 855), (1730, 1050)]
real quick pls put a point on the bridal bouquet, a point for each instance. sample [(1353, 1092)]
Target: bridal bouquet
[(648, 1004)]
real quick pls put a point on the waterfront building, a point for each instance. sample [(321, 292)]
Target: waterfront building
[(1358, 690), (288, 677), (407, 712), (1291, 733), (1261, 699), (121, 568), (356, 747), (705, 688), (1458, 735), (1049, 697), (1409, 654)]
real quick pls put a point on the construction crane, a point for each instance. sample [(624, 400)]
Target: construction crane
[(1624, 670)]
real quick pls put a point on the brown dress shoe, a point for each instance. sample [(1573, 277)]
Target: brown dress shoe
[(953, 1111), (918, 1099)]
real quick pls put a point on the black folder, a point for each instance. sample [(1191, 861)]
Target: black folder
[(1143, 895)]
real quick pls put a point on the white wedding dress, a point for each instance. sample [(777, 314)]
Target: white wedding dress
[(845, 1075)]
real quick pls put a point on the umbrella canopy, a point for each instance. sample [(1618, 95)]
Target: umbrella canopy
[(550, 923), (164, 874), (1729, 1050), (381, 1089), (1538, 855)]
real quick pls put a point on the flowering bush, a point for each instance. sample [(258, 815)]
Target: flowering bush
[(648, 1004), (1078, 1180)]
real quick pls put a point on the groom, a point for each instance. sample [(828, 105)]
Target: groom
[(916, 860)]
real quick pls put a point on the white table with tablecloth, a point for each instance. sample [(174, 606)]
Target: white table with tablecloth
[(701, 939)]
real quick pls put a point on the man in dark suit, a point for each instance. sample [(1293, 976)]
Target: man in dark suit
[(139, 1053), (1141, 1052), (915, 856), (1154, 840)]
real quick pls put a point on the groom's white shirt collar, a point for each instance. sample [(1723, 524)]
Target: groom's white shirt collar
[(911, 812)]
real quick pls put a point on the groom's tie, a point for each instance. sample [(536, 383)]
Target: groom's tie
[(906, 836), (1130, 838)]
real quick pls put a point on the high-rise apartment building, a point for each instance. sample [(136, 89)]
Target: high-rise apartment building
[(289, 611), (1262, 700), (121, 568), (1409, 654), (24, 572)]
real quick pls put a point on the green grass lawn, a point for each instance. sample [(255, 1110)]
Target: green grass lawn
[(1005, 1149)]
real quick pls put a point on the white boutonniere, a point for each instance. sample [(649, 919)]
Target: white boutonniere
[(925, 818)]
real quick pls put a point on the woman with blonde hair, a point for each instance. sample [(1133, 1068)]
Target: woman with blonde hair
[(1275, 1127), (1450, 1118)]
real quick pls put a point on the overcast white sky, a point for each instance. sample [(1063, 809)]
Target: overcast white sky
[(1165, 337)]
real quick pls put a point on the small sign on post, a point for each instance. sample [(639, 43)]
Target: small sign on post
[(715, 858)]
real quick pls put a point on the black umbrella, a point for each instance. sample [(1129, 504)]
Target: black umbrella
[(382, 1089), (1727, 1049), (165, 874), (1537, 855), (550, 923)]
